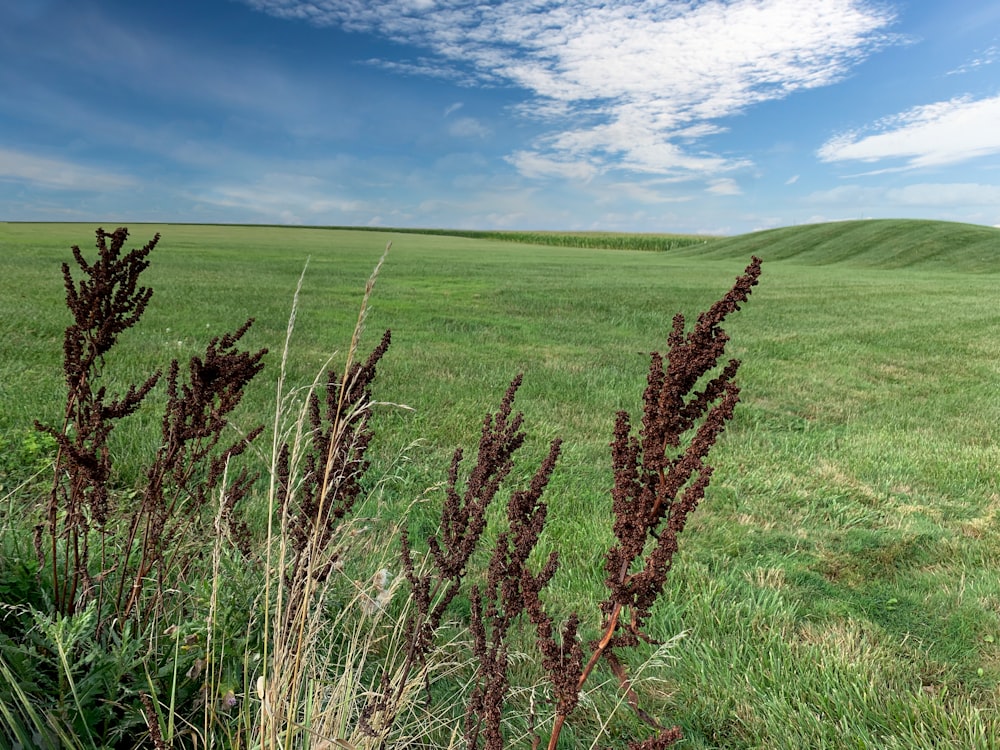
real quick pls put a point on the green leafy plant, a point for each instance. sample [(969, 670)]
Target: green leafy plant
[(24, 456)]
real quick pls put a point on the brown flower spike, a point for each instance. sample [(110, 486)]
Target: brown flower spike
[(657, 484)]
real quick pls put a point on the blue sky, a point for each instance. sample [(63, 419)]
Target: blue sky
[(706, 116)]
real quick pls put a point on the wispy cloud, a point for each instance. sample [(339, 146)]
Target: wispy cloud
[(639, 81), (922, 194), (292, 198), (724, 186), (531, 164), (932, 135), (424, 66), (958, 194), (650, 192), (987, 57), (468, 127), (58, 174)]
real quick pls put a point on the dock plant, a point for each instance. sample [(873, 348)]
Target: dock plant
[(166, 617)]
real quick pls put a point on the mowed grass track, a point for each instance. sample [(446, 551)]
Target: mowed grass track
[(838, 587)]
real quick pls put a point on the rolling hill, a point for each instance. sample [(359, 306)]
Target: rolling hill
[(876, 243)]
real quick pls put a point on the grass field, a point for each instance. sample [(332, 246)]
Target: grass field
[(839, 586)]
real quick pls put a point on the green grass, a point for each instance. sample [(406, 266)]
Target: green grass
[(601, 240), (884, 244), (838, 586)]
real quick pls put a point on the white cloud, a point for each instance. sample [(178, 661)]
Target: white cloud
[(452, 108), (989, 56), (847, 195), (531, 164), (421, 67), (917, 195), (724, 186), (649, 192), (58, 174), (792, 180), (640, 76), (946, 194), (294, 198), (927, 136), (468, 127)]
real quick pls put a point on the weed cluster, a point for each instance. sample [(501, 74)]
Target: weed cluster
[(168, 618)]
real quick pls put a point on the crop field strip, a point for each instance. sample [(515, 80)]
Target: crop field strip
[(840, 584)]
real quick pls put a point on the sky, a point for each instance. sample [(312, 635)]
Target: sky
[(698, 116)]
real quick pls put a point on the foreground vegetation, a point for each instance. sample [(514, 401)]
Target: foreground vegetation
[(837, 588)]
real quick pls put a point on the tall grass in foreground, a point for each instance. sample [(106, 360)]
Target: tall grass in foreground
[(186, 630)]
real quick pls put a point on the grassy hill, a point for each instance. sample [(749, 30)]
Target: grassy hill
[(872, 243), (838, 588), (881, 243)]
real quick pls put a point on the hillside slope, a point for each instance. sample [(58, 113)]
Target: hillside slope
[(877, 243)]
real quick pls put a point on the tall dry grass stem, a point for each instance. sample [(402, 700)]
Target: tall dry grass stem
[(316, 468)]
